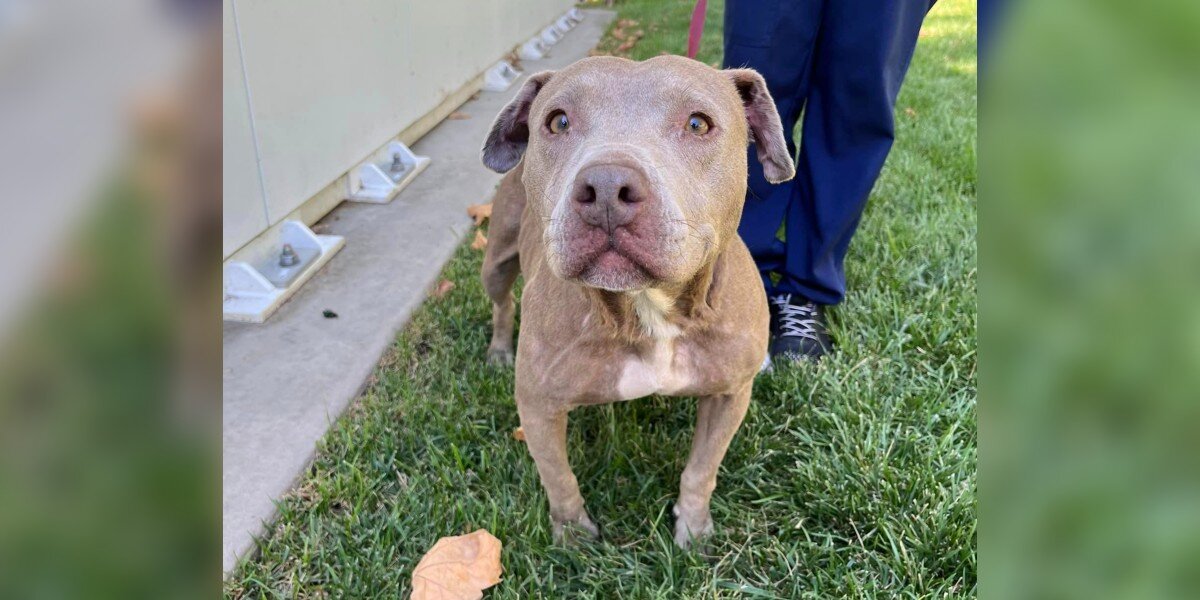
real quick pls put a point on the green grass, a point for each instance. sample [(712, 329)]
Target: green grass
[(852, 478)]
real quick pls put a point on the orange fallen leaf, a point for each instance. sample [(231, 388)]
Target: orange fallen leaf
[(458, 568), (443, 287), (458, 116), (480, 241), (479, 212), (519, 434), (630, 41)]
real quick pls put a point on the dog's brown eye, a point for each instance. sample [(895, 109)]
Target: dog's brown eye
[(558, 122), (697, 124)]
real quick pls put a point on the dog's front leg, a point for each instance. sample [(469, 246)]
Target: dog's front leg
[(717, 419), (546, 436)]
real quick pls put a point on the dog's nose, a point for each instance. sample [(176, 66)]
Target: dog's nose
[(609, 196)]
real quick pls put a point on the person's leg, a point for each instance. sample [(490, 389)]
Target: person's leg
[(859, 61), (774, 37)]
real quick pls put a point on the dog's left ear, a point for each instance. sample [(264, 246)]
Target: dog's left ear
[(506, 142), (765, 128)]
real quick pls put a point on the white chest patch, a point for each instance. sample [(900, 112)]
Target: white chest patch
[(657, 373), (653, 309)]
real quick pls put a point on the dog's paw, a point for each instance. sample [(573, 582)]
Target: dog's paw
[(692, 530), (499, 357), (569, 533)]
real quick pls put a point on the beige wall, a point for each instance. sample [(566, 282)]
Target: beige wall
[(313, 87)]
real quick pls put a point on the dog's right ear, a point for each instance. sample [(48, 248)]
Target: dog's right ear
[(506, 142)]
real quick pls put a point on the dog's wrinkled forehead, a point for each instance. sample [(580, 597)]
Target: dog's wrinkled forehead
[(608, 100), (616, 92)]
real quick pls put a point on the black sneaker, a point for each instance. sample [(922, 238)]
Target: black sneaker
[(799, 331)]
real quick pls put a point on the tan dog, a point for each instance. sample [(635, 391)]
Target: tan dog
[(623, 216)]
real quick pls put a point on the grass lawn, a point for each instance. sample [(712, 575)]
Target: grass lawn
[(855, 477)]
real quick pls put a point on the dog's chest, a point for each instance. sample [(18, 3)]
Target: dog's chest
[(664, 369)]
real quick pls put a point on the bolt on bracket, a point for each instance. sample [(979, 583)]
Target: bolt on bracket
[(387, 172), (500, 77)]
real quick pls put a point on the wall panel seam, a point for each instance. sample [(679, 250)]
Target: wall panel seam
[(258, 161)]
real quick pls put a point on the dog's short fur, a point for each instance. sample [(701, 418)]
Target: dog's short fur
[(636, 282)]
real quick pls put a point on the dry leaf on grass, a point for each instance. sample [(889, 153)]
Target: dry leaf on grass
[(618, 32), (443, 287), (458, 568), (519, 434), (458, 116), (628, 44), (480, 212), (627, 40), (480, 241)]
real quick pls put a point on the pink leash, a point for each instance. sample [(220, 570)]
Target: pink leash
[(697, 27)]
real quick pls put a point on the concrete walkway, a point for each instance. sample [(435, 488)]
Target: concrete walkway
[(285, 381)]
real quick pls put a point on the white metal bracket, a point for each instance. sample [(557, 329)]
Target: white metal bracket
[(564, 24), (273, 271), (386, 173), (551, 36), (575, 15), (500, 77), (534, 49)]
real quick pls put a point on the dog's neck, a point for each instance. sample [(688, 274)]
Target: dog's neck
[(653, 309), (659, 313)]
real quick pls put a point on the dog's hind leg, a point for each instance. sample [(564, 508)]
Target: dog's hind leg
[(501, 264)]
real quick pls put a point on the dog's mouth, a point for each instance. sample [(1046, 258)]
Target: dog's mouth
[(612, 262), (613, 270)]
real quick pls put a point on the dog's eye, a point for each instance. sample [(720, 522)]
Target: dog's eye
[(558, 123), (698, 124)]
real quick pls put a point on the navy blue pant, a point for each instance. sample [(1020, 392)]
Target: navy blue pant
[(840, 64)]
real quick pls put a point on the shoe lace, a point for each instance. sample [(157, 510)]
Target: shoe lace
[(797, 320)]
